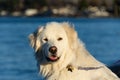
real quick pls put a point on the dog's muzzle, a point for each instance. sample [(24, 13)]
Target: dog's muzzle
[(53, 50), (53, 54)]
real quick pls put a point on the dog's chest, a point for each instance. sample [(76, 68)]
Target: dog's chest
[(67, 74)]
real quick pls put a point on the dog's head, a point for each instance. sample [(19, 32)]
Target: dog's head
[(52, 41)]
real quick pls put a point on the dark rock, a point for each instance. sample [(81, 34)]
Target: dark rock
[(116, 68)]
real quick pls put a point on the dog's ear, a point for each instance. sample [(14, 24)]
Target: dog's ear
[(32, 39), (34, 42), (71, 34)]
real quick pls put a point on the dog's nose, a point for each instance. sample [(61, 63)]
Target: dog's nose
[(53, 49)]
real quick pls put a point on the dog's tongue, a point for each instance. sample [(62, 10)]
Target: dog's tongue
[(53, 58)]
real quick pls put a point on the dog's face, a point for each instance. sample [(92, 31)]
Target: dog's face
[(54, 41), (51, 42)]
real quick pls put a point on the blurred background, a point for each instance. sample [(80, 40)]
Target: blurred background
[(96, 21), (58, 8)]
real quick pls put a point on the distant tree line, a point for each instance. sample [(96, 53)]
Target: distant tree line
[(20, 5), (12, 5)]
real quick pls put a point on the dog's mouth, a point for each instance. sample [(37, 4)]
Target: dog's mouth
[(52, 58)]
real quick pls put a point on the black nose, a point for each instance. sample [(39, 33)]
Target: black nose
[(53, 49)]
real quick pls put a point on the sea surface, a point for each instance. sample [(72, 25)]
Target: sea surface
[(101, 37)]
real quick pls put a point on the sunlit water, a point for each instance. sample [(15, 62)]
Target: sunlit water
[(17, 62)]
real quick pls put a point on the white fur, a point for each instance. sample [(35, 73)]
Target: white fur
[(71, 52)]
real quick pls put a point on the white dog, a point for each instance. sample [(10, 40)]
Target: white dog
[(62, 56)]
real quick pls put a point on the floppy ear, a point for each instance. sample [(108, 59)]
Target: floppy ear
[(34, 42), (71, 34)]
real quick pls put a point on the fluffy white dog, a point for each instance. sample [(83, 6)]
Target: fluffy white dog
[(62, 56)]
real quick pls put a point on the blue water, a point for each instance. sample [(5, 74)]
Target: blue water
[(17, 62)]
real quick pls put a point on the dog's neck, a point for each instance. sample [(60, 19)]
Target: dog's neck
[(49, 69)]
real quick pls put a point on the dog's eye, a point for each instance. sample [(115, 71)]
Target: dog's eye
[(45, 39), (59, 39)]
